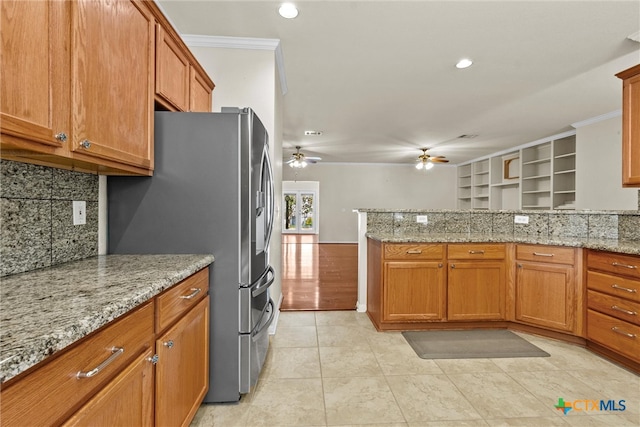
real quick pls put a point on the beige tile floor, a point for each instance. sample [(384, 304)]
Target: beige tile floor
[(334, 369)]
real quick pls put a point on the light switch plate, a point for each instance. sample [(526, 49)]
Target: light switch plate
[(521, 219), (422, 219), (79, 212)]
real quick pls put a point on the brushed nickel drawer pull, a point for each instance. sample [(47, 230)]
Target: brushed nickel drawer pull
[(414, 251), (621, 332), (115, 352), (622, 288), (481, 252), (195, 291), (617, 264), (624, 310), (541, 254)]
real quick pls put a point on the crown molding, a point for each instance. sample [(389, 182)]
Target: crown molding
[(250, 43), (596, 119)]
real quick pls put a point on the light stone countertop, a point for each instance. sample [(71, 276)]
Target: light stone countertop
[(631, 247), (44, 311)]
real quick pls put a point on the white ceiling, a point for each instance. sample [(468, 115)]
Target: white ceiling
[(378, 77)]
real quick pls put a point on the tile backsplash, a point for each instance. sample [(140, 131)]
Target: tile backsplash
[(579, 224), (37, 219)]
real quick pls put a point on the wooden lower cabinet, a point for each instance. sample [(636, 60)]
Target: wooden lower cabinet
[(476, 286), (545, 295), (54, 387), (124, 387), (476, 290), (413, 291), (613, 299), (126, 401), (182, 372)]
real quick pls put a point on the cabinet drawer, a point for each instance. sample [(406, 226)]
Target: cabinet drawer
[(616, 334), (51, 393), (180, 298), (477, 251), (614, 285), (548, 254), (626, 265), (413, 252), (614, 306)]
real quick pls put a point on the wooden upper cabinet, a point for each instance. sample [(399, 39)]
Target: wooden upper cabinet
[(200, 89), (181, 83), (172, 72), (34, 106), (630, 126), (112, 81)]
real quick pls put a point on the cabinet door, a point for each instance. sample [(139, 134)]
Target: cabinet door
[(631, 127), (476, 291), (413, 291), (172, 72), (34, 71), (182, 372), (545, 295), (125, 401), (199, 93), (112, 81)]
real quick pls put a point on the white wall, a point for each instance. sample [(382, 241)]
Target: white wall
[(345, 187), (599, 168), (249, 78)]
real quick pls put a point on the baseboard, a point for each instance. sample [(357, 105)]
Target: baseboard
[(274, 324)]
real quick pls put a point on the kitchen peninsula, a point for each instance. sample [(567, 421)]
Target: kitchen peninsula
[(559, 274), (63, 319)]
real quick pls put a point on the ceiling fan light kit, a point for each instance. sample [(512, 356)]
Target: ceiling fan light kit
[(426, 162), (299, 160)]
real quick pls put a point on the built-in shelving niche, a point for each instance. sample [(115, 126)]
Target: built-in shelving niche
[(539, 176)]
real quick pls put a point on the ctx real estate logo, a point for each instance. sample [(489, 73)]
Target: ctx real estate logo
[(590, 405)]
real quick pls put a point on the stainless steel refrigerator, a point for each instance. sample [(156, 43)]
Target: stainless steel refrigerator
[(211, 192)]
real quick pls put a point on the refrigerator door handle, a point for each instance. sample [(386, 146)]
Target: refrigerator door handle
[(270, 199), (264, 282), (255, 334)]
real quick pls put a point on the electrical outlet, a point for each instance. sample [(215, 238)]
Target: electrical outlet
[(79, 212), (521, 219), (422, 219)]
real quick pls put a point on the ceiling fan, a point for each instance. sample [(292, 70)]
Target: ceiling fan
[(426, 161), (299, 160)]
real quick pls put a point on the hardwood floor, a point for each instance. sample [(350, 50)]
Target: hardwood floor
[(318, 276)]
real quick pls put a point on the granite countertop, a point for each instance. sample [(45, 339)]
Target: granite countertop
[(44, 311), (631, 247)]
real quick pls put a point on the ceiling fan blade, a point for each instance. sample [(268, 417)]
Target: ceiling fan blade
[(313, 158), (439, 160)]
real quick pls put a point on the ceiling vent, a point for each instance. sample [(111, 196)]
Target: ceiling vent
[(312, 132), (466, 136)]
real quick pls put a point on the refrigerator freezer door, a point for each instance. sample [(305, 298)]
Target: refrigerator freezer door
[(253, 350), (254, 301)]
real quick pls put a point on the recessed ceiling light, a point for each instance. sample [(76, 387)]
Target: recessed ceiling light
[(464, 63), (288, 10)]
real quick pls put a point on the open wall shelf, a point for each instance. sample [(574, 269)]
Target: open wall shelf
[(540, 176)]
